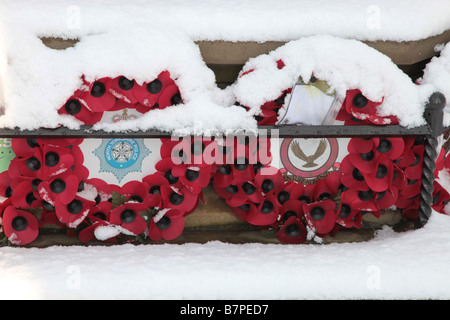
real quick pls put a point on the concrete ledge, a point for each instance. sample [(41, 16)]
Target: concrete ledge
[(237, 53)]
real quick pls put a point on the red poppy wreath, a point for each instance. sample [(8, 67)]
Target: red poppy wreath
[(47, 182)]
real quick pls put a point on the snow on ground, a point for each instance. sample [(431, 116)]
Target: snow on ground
[(409, 265)]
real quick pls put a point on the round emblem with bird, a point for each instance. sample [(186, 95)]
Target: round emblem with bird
[(308, 158)]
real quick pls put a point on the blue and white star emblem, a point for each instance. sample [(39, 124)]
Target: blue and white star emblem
[(121, 156)]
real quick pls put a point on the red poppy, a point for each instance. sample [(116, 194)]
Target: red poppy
[(127, 216), (149, 93), (266, 212), (25, 197), (187, 150), (227, 192), (407, 156), (348, 119), (240, 168), (352, 178), (411, 189), (31, 166), (224, 176), (414, 170), (100, 216), (266, 117), (5, 185), (193, 177), (326, 188), (392, 148), (363, 200), (404, 202), (399, 178), (387, 199), (103, 189), (291, 208), (123, 89), (169, 97), (74, 212), (24, 147), (77, 108), (333, 180), (179, 198), (320, 216), (244, 210), (63, 187), (269, 179), (154, 183), (347, 216), (174, 147), (288, 191), (270, 109), (167, 225), (134, 191), (246, 191), (78, 168), (360, 145), (293, 231), (359, 107), (306, 197), (380, 179), (20, 226), (98, 97), (441, 197), (165, 167), (56, 160), (412, 210), (362, 154)]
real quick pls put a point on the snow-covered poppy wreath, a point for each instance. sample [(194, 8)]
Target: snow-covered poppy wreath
[(89, 103), (47, 182)]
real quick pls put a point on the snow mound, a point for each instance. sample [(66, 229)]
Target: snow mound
[(437, 77), (37, 80), (344, 65), (245, 20)]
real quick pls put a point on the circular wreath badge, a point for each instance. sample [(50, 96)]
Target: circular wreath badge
[(310, 160)]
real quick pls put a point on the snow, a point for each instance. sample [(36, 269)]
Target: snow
[(36, 69), (437, 75), (409, 265), (343, 64), (206, 109), (245, 20)]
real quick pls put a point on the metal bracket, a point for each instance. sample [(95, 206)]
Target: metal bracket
[(434, 115)]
